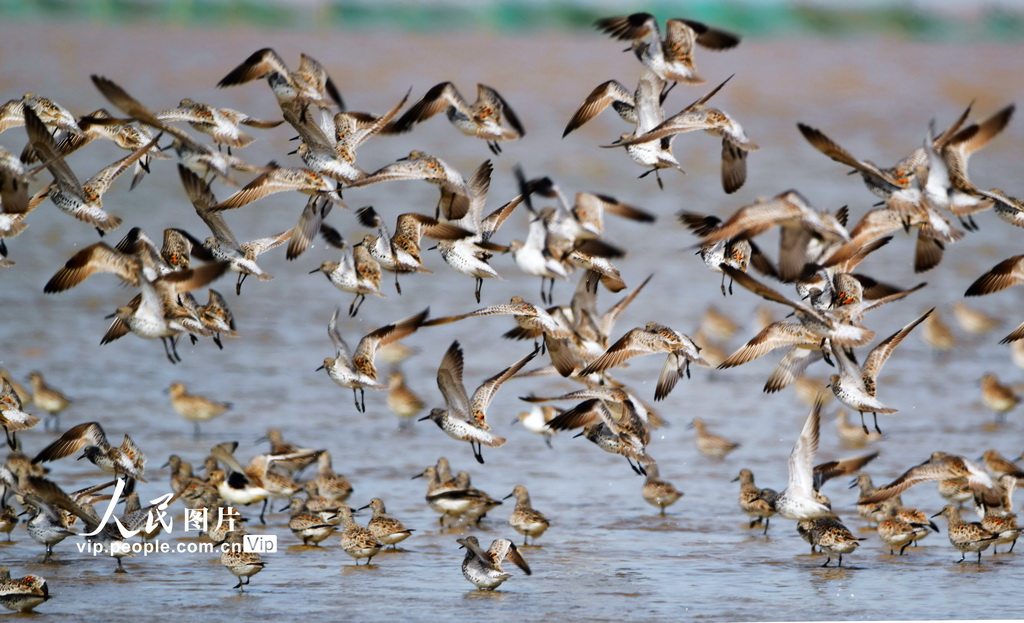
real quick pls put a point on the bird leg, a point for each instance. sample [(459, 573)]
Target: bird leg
[(238, 285), (479, 286), (263, 511)]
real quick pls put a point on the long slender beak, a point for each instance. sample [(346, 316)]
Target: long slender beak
[(425, 417), (509, 495), (419, 475), (362, 507), (936, 515), (735, 479), (580, 434), (315, 270), (320, 368)]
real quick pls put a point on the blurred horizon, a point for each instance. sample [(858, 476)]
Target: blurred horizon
[(964, 21)]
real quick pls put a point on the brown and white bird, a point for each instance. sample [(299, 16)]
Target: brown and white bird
[(526, 520), (358, 371), (657, 492), (653, 338), (483, 568), (482, 119), (126, 459), (193, 407), (309, 84), (710, 444), (669, 55), (998, 397)]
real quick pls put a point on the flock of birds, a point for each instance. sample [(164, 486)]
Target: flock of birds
[(928, 191)]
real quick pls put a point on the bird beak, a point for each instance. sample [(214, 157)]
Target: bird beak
[(320, 368), (509, 495), (362, 507), (580, 434), (936, 515), (426, 417), (735, 479), (315, 270), (419, 475)]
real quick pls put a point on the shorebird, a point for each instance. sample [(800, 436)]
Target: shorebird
[(12, 418), (611, 418), (798, 501), (193, 407), (974, 321), (528, 317), (160, 311), (526, 520), (330, 484), (220, 123), (940, 466), (241, 564), (658, 492), (652, 155), (255, 482), (536, 421), (464, 418), (652, 338), (671, 56), (329, 141), (100, 124), (469, 255), (357, 541), (609, 93), (22, 594), (387, 529), (855, 386), (699, 116), (754, 501), (455, 194), (197, 157), (400, 253), (483, 568), (308, 526), (62, 510), (84, 201), (482, 118), (829, 535), (403, 401), (89, 437), (357, 272), (998, 397), (853, 435), (357, 371), (965, 536), (12, 113), (276, 179), (309, 84), (709, 444)]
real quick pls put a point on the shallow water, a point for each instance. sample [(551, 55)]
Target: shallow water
[(607, 552)]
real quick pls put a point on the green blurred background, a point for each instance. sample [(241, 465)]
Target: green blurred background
[(947, 20)]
